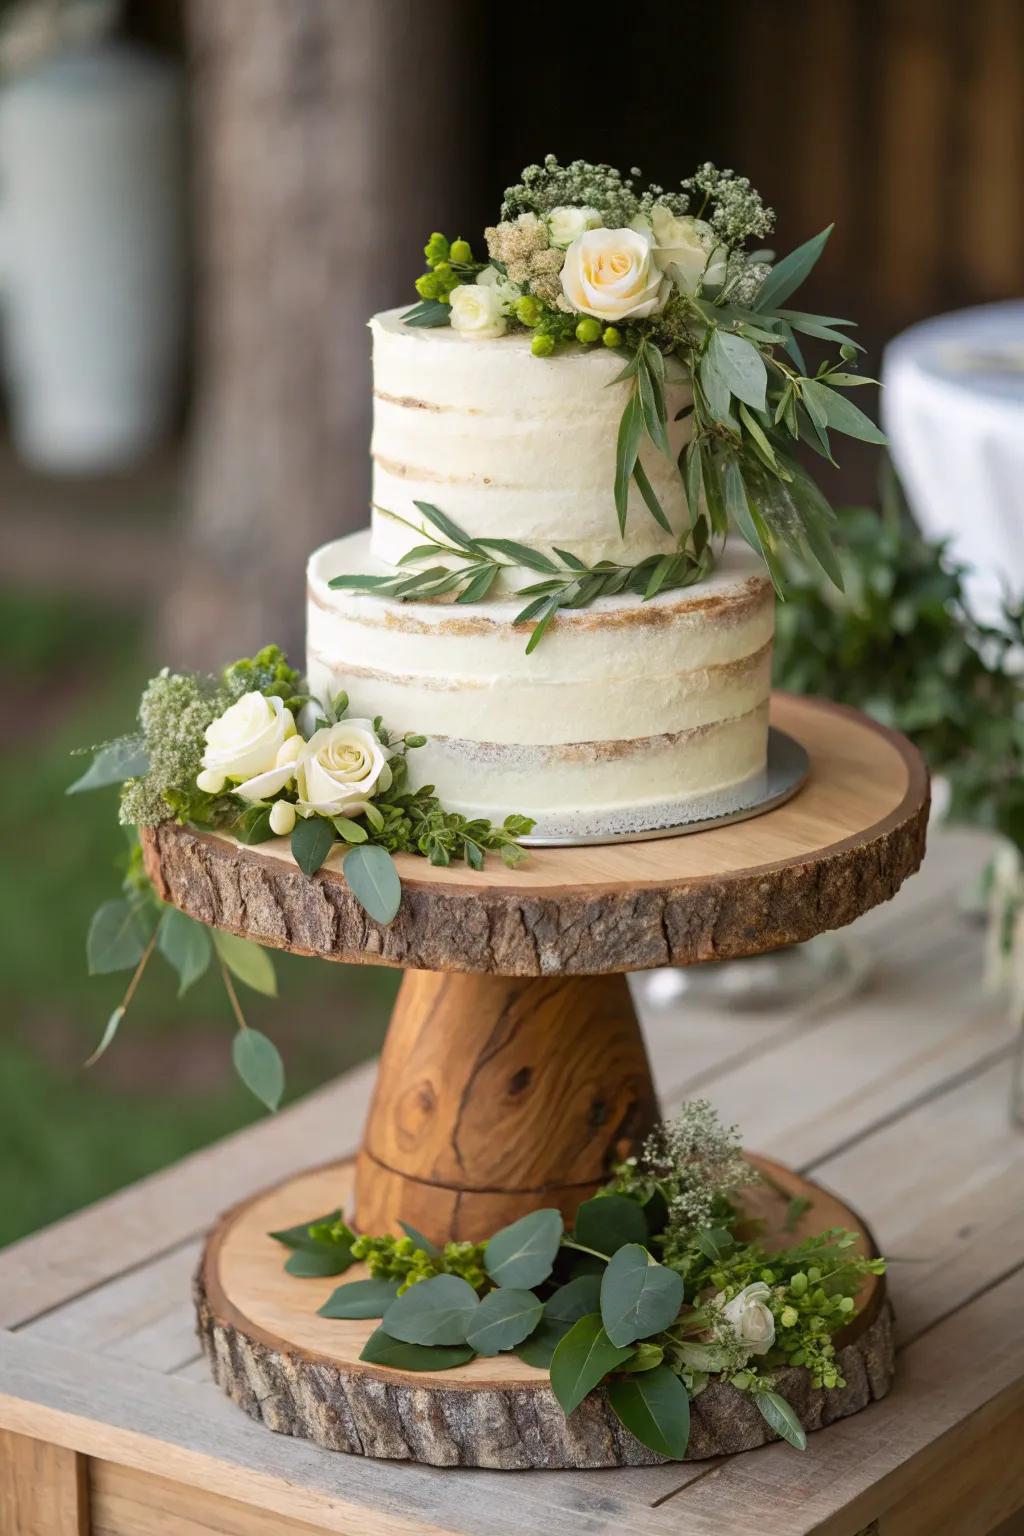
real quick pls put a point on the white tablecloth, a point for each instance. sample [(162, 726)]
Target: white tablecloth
[(953, 407)]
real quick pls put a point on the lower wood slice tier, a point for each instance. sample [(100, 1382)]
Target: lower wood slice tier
[(301, 1374)]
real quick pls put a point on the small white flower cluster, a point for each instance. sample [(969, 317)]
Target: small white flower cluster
[(254, 750), (701, 1162)]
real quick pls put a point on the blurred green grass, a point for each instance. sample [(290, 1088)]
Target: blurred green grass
[(166, 1086)]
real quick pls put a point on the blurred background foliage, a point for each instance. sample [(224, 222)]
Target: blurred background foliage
[(324, 141)]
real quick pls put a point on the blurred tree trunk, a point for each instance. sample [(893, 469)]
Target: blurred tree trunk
[(330, 137)]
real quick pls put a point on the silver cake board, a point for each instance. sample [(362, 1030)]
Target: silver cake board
[(785, 771)]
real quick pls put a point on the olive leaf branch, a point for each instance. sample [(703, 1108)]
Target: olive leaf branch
[(568, 582)]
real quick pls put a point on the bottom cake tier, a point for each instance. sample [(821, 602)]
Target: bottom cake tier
[(627, 717)]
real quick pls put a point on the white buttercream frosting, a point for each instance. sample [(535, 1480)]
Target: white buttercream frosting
[(510, 445), (625, 707)]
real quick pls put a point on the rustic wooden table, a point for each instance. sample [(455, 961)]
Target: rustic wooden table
[(897, 1099)]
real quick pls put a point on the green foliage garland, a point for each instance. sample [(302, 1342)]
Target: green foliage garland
[(689, 1297)]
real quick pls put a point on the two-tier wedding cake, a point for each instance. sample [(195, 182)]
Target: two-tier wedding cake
[(564, 434), (632, 714)]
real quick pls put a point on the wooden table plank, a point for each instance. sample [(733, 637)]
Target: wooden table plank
[(43, 1489), (183, 1430)]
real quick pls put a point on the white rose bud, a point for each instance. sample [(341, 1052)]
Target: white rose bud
[(209, 782), (282, 817), (341, 766), (246, 738), (476, 311), (565, 224), (508, 292), (751, 1317), (690, 246), (609, 273)]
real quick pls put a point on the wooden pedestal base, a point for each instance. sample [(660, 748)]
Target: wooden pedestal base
[(497, 1095), (301, 1374)]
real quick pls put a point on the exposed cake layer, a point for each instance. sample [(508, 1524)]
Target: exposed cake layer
[(510, 445), (625, 707)]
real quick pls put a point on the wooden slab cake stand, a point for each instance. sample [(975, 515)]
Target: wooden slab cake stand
[(514, 1075)]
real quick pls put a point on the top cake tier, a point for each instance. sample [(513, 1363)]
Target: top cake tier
[(509, 445)]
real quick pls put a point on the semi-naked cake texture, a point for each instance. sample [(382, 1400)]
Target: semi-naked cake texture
[(629, 715)]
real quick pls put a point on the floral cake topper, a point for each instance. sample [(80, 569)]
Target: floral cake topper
[(582, 256)]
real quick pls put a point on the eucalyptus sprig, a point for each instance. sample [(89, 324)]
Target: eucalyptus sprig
[(567, 581), (650, 1328), (750, 408)]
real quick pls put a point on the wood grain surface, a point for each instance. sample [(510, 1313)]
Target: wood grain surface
[(301, 1374), (846, 842), (498, 1095)]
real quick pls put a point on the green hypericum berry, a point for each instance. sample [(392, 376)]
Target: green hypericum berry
[(798, 1284), (542, 346), (461, 251), (436, 249), (588, 331), (612, 337), (790, 1317), (528, 311)]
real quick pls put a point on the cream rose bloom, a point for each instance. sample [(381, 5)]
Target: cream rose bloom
[(690, 246), (751, 1317), (246, 738), (610, 274), (476, 311), (340, 770), (566, 224)]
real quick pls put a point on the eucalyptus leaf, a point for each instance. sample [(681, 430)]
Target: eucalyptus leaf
[(429, 312), (113, 764), (741, 367), (607, 1222), (381, 1349), (582, 1359), (318, 1263), (650, 496), (477, 588), (298, 1237), (577, 1298), (652, 405), (430, 1249), (349, 831), (654, 1407), (713, 1242), (505, 1317), (118, 935), (247, 961), (258, 1063), (523, 1254), (360, 1299), (539, 1349), (639, 1297), (185, 945), (440, 1310), (779, 1416), (373, 880), (716, 391), (787, 275)]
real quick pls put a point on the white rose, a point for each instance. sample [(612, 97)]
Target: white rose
[(751, 1317), (609, 273), (246, 738), (341, 767), (265, 785), (690, 246), (508, 291), (476, 311), (565, 224)]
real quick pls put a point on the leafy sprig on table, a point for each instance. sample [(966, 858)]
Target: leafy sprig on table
[(566, 581), (594, 1306)]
